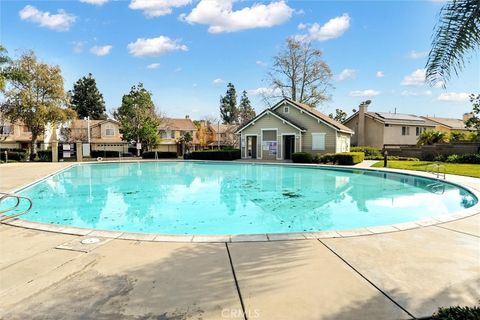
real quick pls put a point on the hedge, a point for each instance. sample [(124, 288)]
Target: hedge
[(160, 155), (302, 157), (370, 152), (325, 158), (13, 155), (463, 158), (44, 155), (231, 154), (349, 158)]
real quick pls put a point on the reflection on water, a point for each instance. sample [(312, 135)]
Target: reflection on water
[(180, 197)]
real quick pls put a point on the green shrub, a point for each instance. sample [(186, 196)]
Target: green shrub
[(302, 157), (325, 158), (457, 313), (231, 154), (160, 155), (349, 158), (368, 151), (470, 158), (440, 157), (44, 155), (453, 158), (13, 155), (456, 136)]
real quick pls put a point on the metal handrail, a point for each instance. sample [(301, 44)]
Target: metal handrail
[(437, 169), (4, 216)]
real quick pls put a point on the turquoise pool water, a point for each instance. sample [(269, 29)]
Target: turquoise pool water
[(234, 198)]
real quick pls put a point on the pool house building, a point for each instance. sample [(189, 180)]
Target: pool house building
[(289, 127)]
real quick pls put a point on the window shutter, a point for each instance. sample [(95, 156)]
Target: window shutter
[(318, 141)]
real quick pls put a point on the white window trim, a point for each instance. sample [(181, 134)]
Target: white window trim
[(319, 134), (109, 135), (246, 145), (261, 140), (283, 146)]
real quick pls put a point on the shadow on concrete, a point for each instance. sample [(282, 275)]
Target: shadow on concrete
[(133, 280)]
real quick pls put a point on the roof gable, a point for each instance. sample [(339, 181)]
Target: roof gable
[(314, 113), (275, 114)]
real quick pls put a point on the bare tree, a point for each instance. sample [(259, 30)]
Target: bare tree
[(299, 73)]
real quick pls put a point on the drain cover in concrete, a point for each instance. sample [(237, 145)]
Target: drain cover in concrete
[(84, 244)]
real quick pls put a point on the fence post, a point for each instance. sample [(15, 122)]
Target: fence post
[(385, 159), (54, 151), (79, 151)]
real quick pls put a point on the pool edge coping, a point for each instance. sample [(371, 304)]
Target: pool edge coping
[(262, 237)]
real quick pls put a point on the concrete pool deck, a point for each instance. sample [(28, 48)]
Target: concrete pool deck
[(395, 275)]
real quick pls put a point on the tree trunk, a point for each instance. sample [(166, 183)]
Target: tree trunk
[(33, 146)]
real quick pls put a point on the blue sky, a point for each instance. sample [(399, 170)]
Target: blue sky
[(185, 51)]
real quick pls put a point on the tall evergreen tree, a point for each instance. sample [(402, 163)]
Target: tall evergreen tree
[(245, 109), (138, 118), (87, 100), (228, 105)]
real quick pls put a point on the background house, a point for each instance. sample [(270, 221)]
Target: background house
[(385, 129), (15, 136), (172, 129), (223, 135), (290, 127), (450, 124), (104, 134)]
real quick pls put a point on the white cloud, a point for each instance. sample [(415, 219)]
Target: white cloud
[(264, 91), (218, 81), (78, 46), (261, 63), (157, 8), (101, 50), (417, 54), (454, 96), (95, 2), (416, 78), (380, 74), (220, 16), (364, 93), (407, 93), (334, 28), (346, 74), (155, 46), (301, 26), (61, 21), (153, 66)]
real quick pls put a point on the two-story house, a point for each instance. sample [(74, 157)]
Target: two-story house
[(289, 127), (385, 129), (104, 134), (223, 135), (15, 136), (172, 130)]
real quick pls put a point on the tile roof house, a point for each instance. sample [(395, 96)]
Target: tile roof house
[(172, 129), (223, 135), (289, 127), (450, 124), (384, 129)]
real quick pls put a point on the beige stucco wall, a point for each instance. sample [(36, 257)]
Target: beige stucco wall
[(352, 123), (393, 135), (374, 133), (343, 142)]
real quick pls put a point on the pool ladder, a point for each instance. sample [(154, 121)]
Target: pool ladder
[(4, 214), (437, 169)]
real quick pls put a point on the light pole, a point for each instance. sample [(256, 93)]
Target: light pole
[(88, 128)]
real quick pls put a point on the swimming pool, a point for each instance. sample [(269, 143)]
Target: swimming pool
[(236, 198)]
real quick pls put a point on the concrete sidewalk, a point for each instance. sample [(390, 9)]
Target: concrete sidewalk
[(397, 275)]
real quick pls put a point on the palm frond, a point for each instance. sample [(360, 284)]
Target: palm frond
[(457, 34)]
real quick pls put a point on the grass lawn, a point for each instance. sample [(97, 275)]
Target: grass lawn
[(462, 169)]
